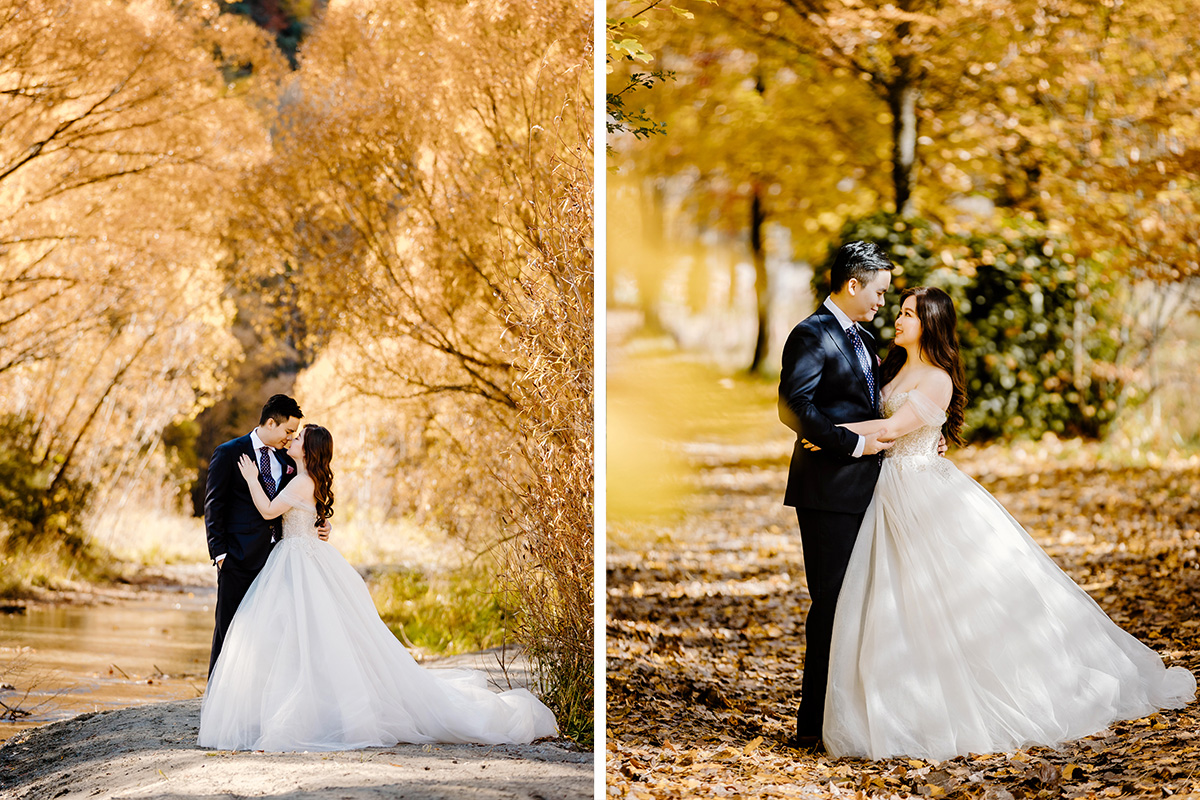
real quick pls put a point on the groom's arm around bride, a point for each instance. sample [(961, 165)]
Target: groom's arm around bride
[(804, 358)]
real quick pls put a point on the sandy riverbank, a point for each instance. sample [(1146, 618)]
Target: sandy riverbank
[(150, 752)]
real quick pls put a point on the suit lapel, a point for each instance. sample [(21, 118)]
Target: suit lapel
[(839, 337), (247, 447)]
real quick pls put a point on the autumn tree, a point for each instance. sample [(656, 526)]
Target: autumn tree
[(1095, 132), (429, 201), (756, 137), (118, 158), (1070, 116), (910, 57)]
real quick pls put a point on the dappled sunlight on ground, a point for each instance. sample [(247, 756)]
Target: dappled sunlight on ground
[(706, 600)]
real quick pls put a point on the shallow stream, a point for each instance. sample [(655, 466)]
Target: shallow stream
[(61, 660)]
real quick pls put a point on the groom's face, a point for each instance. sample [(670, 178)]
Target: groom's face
[(867, 298), (278, 434)]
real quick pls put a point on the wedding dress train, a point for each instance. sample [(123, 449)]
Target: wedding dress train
[(309, 665), (955, 633)]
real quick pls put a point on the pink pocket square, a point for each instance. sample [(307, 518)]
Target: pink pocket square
[(290, 470)]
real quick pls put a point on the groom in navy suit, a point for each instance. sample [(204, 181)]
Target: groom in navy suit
[(829, 377), (239, 539)]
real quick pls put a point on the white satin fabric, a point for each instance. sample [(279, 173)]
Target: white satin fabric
[(955, 633), (307, 664)]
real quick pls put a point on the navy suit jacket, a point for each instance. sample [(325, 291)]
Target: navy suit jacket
[(231, 520), (822, 384)]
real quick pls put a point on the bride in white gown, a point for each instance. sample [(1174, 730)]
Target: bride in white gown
[(954, 632), (308, 664)]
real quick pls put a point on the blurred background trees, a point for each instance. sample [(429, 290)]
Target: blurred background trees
[(385, 211), (1036, 158)]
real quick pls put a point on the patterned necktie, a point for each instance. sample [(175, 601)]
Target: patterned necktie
[(864, 360), (264, 469)]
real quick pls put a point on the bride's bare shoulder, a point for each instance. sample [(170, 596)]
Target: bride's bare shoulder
[(936, 384), (301, 487)]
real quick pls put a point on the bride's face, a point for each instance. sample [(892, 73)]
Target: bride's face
[(908, 327), (296, 448)]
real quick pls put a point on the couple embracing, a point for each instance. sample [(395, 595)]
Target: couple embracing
[(938, 627), (300, 658)]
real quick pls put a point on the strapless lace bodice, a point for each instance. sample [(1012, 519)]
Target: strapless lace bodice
[(919, 446), (299, 522)]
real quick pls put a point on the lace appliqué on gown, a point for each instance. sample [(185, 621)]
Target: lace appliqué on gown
[(955, 633), (917, 451), (308, 665)]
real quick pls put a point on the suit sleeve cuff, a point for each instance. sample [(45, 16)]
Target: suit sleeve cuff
[(218, 558), (858, 448)]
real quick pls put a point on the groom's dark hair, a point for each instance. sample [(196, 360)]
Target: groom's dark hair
[(859, 260), (279, 408)]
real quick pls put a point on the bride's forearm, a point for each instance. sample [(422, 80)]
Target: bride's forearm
[(259, 496), (865, 427), (903, 422), (270, 509)]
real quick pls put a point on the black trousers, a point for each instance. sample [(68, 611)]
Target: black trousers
[(827, 538), (233, 581)]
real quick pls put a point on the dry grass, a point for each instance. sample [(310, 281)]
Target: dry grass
[(147, 536)]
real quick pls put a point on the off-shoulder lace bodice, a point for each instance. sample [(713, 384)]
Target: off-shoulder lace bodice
[(920, 445), (300, 519)]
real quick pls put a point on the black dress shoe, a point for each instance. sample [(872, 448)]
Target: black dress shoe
[(809, 744)]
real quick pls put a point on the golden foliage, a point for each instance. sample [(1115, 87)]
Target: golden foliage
[(428, 208), (1076, 114), (120, 145)]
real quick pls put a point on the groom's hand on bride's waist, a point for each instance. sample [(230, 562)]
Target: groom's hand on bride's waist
[(872, 446), (323, 530)]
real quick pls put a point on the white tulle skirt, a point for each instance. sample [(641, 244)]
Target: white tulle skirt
[(955, 633), (307, 664)]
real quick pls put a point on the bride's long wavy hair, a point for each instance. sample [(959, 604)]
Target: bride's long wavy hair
[(939, 342), (318, 454)]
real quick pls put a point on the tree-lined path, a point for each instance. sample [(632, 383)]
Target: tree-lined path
[(706, 601)]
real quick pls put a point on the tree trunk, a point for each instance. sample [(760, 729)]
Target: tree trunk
[(902, 101), (651, 272), (1078, 351), (758, 255)]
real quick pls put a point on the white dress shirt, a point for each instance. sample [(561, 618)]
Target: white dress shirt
[(276, 467), (846, 322)]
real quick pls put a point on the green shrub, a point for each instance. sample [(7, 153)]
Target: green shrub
[(36, 510), (1022, 300), (441, 613)]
